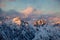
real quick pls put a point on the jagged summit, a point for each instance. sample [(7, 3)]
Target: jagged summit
[(40, 22), (16, 20)]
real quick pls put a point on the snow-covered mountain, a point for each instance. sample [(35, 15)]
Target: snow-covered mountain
[(13, 26), (11, 31)]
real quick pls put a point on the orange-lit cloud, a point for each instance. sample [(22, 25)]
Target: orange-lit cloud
[(27, 11), (2, 5), (31, 10), (8, 0)]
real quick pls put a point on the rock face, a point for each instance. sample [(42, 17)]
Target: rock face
[(26, 31), (11, 32), (40, 22), (16, 20)]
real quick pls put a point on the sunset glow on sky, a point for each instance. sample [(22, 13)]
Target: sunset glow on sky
[(19, 5)]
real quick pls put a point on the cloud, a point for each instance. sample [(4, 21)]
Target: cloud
[(31, 10), (7, 0), (2, 5), (3, 2), (27, 11), (11, 0)]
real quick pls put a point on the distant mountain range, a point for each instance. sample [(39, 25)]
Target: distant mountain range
[(35, 14), (26, 30)]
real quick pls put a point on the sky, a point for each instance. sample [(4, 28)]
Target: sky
[(42, 5)]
